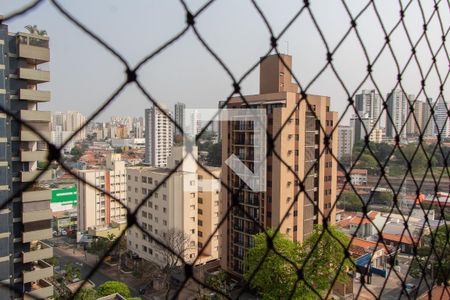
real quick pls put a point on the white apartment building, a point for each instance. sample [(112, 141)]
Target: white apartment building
[(97, 209), (69, 121), (174, 209), (369, 102), (398, 108), (158, 137), (441, 120)]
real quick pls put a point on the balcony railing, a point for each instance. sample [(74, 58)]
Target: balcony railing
[(26, 156), (42, 289), (41, 234), (34, 95), (34, 76), (39, 270), (31, 175), (38, 251)]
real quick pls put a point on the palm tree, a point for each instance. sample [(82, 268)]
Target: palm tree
[(33, 29)]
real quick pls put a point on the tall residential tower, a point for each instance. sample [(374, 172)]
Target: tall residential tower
[(300, 145), (158, 136), (26, 220)]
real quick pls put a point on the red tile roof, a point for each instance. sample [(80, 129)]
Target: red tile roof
[(404, 239)]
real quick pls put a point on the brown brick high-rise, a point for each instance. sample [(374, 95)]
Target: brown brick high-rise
[(300, 144)]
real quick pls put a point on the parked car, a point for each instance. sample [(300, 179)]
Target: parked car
[(410, 288)]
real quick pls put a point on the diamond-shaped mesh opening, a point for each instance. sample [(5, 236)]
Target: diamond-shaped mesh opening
[(378, 245)]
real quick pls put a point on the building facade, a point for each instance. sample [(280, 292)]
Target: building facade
[(398, 109), (345, 141), (25, 220), (180, 210), (369, 103), (300, 144), (179, 117), (158, 137), (97, 209), (441, 119)]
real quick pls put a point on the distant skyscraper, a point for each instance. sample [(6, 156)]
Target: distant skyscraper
[(158, 137), (345, 141), (361, 126), (398, 108), (179, 117), (441, 120), (69, 121), (369, 103), (25, 221), (427, 119)]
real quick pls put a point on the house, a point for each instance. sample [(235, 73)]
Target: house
[(404, 242)]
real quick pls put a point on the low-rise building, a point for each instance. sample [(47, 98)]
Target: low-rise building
[(180, 210), (96, 208)]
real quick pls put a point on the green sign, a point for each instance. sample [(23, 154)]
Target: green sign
[(65, 196)]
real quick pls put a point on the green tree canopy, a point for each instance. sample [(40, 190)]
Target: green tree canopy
[(112, 287), (278, 277), (86, 294), (433, 258), (349, 201)]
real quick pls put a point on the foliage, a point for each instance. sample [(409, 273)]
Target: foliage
[(86, 294), (71, 272), (349, 201), (76, 152), (219, 282), (112, 287), (33, 29), (433, 258), (99, 246), (277, 276)]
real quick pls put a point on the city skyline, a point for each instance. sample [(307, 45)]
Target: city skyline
[(191, 89)]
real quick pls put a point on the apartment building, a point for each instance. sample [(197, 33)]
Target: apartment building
[(181, 209), (69, 121), (345, 141), (26, 220), (96, 209), (300, 144), (179, 117), (398, 109), (158, 136), (369, 102)]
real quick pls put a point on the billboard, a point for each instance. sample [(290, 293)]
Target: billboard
[(64, 199)]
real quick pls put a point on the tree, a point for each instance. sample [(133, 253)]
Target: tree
[(349, 201), (76, 152), (275, 278), (86, 294), (367, 161), (433, 258), (219, 282), (33, 29), (214, 158), (112, 287), (71, 272), (178, 242), (278, 278)]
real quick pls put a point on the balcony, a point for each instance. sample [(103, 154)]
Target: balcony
[(31, 175), (42, 289), (34, 54), (34, 95), (35, 116), (38, 251), (27, 135), (34, 76), (37, 215), (39, 270), (26, 156), (38, 195), (41, 234)]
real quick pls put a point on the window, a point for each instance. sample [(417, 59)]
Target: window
[(192, 244), (144, 214), (200, 211), (164, 197), (149, 180), (164, 222), (164, 210), (129, 177), (135, 178), (150, 204), (150, 216), (156, 207), (200, 200), (155, 195), (192, 182), (200, 233), (193, 231), (144, 191), (200, 223)]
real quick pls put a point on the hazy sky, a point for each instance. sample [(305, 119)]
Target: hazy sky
[(84, 74)]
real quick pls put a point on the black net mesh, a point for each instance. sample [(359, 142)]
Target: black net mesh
[(412, 176)]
